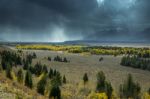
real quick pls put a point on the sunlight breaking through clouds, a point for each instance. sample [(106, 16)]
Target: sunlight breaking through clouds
[(99, 2)]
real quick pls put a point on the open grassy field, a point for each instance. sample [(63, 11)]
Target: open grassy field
[(80, 64), (90, 64)]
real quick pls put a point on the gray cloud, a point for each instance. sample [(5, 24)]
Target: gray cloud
[(60, 20)]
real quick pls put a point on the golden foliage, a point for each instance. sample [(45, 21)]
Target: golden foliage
[(146, 96), (97, 96)]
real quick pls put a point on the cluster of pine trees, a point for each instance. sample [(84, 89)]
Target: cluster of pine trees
[(24, 75), (58, 59), (128, 90), (136, 62), (10, 59), (103, 85), (61, 59)]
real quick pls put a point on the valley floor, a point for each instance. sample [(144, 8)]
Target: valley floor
[(81, 63)]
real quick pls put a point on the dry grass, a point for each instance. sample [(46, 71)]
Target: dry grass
[(79, 64)]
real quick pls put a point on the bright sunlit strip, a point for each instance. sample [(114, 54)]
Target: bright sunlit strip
[(99, 2)]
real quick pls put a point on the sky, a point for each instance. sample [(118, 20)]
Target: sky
[(65, 20)]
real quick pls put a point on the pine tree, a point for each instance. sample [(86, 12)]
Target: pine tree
[(85, 78), (1, 68), (55, 72), (109, 90), (34, 55), (26, 65), (55, 93), (28, 79), (4, 64), (20, 76), (100, 82), (149, 91), (64, 79), (31, 69), (130, 89), (50, 73), (38, 69), (49, 58), (41, 85), (57, 80), (45, 69), (8, 72), (65, 60)]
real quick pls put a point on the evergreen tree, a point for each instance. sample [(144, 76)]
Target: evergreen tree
[(31, 69), (55, 72), (103, 85), (65, 60), (109, 90), (149, 91), (101, 58), (29, 59), (1, 68), (50, 73), (38, 69), (34, 55), (57, 80), (28, 79), (41, 85), (130, 89), (8, 72), (64, 79), (85, 78), (26, 65), (55, 93), (100, 82), (45, 69), (3, 63), (18, 60), (20, 76), (49, 58)]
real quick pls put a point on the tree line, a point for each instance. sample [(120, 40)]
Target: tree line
[(136, 62), (98, 50), (24, 74), (128, 90)]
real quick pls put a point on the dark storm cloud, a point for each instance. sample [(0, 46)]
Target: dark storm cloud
[(42, 20)]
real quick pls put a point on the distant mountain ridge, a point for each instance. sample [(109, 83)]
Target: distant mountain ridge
[(97, 41)]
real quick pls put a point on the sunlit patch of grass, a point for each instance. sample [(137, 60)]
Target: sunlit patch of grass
[(146, 96), (94, 95)]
